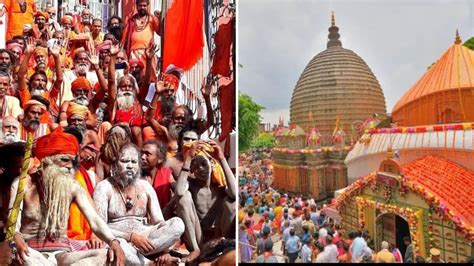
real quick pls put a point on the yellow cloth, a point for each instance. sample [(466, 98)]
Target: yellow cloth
[(241, 216), (78, 228), (218, 175), (278, 210), (385, 256), (77, 109)]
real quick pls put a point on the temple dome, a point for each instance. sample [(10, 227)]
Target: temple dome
[(444, 94), (336, 83)]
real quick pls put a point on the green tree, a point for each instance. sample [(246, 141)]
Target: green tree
[(249, 118), (469, 43), (264, 140)]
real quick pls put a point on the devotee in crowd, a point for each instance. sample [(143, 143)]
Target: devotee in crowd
[(139, 31), (108, 119), (267, 256), (208, 197), (434, 256), (384, 255), (409, 254), (293, 246), (10, 128)]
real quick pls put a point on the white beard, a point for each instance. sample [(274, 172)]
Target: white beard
[(10, 138), (82, 100), (37, 92), (125, 100), (81, 69)]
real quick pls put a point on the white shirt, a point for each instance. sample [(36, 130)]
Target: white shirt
[(331, 253), (11, 107)]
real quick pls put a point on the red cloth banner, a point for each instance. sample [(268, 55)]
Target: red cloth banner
[(223, 39), (184, 39), (227, 100)]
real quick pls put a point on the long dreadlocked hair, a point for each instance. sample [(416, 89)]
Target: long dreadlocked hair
[(57, 201), (109, 152)]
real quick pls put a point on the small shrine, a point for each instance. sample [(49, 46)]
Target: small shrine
[(429, 199)]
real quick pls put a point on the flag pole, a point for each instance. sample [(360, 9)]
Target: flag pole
[(164, 6), (13, 216)]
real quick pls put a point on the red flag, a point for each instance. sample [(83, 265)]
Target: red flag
[(223, 39), (184, 38), (227, 100)]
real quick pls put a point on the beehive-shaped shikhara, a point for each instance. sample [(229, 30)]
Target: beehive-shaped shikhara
[(336, 83), (444, 94)]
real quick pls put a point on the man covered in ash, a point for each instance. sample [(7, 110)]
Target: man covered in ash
[(125, 201)]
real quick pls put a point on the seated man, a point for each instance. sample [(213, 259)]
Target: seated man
[(78, 114), (48, 194), (124, 201), (34, 109), (155, 171), (206, 203)]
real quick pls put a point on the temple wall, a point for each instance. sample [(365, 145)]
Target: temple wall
[(449, 106), (316, 175)]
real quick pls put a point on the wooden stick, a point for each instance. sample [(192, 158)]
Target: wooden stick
[(13, 217)]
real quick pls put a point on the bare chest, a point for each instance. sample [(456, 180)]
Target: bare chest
[(128, 203)]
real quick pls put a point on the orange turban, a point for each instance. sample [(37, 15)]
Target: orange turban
[(30, 103), (42, 14), (217, 175), (77, 109), (66, 18), (55, 143), (81, 83), (41, 51), (171, 79)]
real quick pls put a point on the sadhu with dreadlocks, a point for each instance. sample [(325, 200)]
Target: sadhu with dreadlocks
[(118, 136)]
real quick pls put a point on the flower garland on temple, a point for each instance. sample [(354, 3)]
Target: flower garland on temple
[(310, 151), (410, 215), (437, 205), (404, 185), (421, 129), (354, 189)]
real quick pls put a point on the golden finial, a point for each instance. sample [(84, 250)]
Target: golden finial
[(333, 19), (458, 39), (389, 153)]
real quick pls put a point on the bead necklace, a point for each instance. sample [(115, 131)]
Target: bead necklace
[(128, 203), (142, 25)]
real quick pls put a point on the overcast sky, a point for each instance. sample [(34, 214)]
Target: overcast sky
[(397, 39)]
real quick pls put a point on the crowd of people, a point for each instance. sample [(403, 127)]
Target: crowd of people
[(303, 229), (121, 169)]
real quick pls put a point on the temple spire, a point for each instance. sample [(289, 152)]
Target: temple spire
[(333, 34), (457, 40)]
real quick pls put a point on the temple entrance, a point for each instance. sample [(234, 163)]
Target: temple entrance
[(391, 228), (402, 230)]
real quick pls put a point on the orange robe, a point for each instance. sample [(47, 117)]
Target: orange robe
[(78, 228), (137, 41), (16, 18)]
